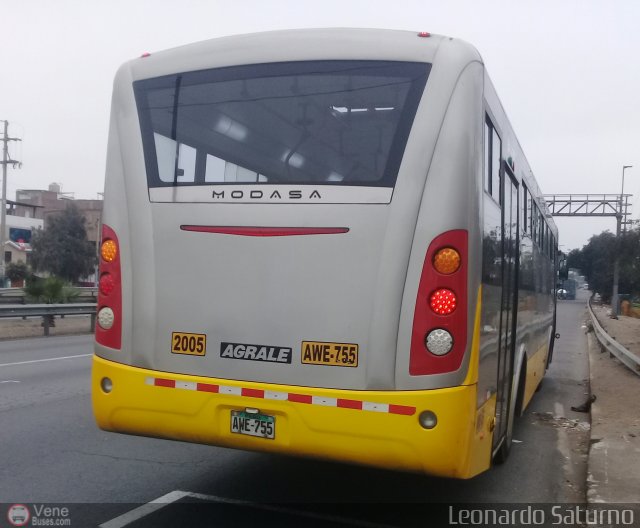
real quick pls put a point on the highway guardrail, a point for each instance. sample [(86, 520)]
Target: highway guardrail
[(48, 311), (17, 295), (625, 356)]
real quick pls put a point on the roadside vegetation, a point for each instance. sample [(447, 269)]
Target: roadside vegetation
[(62, 249), (596, 259)]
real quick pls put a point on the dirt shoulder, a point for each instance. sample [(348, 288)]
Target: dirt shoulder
[(625, 330), (32, 327), (614, 467)]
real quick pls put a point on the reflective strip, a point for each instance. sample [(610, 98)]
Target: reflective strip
[(376, 407), (188, 385), (274, 395), (225, 389), (247, 392), (320, 400), (160, 382)]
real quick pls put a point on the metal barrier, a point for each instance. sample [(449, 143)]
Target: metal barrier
[(17, 295), (48, 311), (627, 358)]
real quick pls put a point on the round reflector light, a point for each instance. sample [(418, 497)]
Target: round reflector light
[(439, 342), (446, 261), (106, 384), (107, 283), (443, 301), (109, 250), (428, 419), (106, 318)]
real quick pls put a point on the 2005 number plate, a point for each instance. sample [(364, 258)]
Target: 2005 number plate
[(191, 344), (253, 424)]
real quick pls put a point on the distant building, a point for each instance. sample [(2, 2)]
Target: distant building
[(19, 227), (53, 201), (32, 209)]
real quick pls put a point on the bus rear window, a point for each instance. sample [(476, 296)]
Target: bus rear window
[(318, 122)]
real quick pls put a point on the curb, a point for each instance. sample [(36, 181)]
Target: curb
[(613, 466)]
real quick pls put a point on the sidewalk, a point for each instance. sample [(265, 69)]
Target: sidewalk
[(614, 456)]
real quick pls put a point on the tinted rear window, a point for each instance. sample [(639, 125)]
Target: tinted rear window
[(319, 122)]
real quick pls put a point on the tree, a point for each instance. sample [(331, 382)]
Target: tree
[(17, 272), (596, 259), (62, 248)]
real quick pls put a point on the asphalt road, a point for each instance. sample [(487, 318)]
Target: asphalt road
[(52, 452)]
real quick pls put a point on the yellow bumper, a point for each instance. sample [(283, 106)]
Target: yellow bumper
[(377, 428)]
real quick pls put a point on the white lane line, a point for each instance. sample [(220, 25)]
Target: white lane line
[(174, 496), (144, 510), (289, 511), (9, 381), (43, 360)]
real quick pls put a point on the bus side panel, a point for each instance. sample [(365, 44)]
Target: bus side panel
[(535, 306), (451, 200), (115, 211), (127, 213)]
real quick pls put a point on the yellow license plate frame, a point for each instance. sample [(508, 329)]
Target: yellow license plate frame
[(330, 354), (188, 343)]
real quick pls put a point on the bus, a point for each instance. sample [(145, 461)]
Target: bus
[(324, 243)]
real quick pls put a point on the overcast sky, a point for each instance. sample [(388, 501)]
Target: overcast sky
[(567, 72)]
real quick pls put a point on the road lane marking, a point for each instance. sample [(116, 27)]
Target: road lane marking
[(290, 511), (174, 496), (43, 360), (144, 510), (9, 381)]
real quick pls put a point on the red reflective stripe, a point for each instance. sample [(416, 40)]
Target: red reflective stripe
[(265, 231), (253, 393), (296, 398), (300, 398), (402, 409), (349, 404), (205, 387)]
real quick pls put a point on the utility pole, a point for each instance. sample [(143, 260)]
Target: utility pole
[(3, 214), (616, 263)]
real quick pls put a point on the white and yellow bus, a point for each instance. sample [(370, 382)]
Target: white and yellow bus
[(324, 243)]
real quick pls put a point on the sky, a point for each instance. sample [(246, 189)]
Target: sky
[(567, 73)]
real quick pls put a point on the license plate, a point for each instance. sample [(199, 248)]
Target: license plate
[(186, 343), (253, 424), (333, 354)]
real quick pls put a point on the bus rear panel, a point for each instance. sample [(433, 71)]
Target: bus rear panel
[(292, 250)]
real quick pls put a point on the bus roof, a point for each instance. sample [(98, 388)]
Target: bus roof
[(298, 45)]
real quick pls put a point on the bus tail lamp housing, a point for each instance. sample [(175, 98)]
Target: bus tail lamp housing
[(439, 333), (109, 315)]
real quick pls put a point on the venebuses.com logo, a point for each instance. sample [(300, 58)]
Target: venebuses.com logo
[(18, 515), (39, 515)]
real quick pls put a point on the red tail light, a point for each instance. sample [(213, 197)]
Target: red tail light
[(441, 304), (109, 315)]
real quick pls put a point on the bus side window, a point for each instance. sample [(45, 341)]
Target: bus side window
[(487, 156), (525, 209), (492, 157), (496, 156)]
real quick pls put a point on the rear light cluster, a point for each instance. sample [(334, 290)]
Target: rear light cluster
[(109, 327), (439, 334)]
